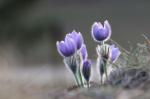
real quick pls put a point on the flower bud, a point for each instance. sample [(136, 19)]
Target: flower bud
[(101, 33), (86, 69)]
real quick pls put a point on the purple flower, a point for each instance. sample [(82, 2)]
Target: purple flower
[(100, 32), (84, 52), (114, 53), (77, 37), (86, 69), (67, 47)]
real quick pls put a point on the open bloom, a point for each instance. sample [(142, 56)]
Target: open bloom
[(84, 52), (114, 53), (67, 47), (100, 32), (86, 69), (77, 37)]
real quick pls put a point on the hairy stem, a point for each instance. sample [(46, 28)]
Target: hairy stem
[(77, 80), (80, 77), (88, 84), (105, 70)]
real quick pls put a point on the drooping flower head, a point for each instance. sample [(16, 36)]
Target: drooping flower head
[(101, 33), (84, 52), (114, 53), (86, 69), (67, 47), (77, 37)]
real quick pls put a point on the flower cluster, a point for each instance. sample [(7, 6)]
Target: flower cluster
[(106, 53), (74, 52)]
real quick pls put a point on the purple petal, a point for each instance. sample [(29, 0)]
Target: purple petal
[(107, 28), (66, 48), (77, 37), (70, 46), (79, 41), (99, 34), (115, 52), (100, 25), (83, 52), (61, 48)]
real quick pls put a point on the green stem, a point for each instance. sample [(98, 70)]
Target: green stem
[(102, 43), (80, 77), (101, 79), (76, 78), (88, 84), (105, 70)]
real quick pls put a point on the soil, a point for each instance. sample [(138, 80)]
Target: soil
[(122, 84)]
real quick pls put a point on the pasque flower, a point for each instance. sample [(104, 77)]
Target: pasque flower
[(67, 47), (77, 37), (114, 53), (101, 33), (86, 69), (72, 49)]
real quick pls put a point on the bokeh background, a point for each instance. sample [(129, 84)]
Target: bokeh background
[(29, 30)]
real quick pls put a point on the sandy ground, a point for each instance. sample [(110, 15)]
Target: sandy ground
[(32, 82), (45, 82)]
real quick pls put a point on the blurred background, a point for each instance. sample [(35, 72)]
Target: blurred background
[(29, 30)]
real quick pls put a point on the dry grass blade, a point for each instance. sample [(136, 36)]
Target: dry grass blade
[(146, 38), (147, 41)]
